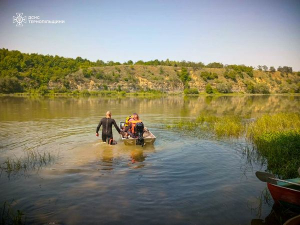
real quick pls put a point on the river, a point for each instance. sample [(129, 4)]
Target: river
[(181, 179)]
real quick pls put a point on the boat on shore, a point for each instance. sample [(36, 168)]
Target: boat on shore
[(286, 192)]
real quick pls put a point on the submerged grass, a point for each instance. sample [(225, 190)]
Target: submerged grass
[(33, 160), (228, 126), (276, 138), (9, 216)]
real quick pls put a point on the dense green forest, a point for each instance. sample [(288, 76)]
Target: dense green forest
[(21, 72)]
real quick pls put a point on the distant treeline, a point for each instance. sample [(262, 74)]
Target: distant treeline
[(35, 70)]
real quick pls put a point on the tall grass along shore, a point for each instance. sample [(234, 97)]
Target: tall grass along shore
[(275, 137)]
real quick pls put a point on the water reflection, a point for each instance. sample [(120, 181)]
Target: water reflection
[(277, 216), (182, 179)]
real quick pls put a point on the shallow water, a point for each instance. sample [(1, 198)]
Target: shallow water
[(182, 179)]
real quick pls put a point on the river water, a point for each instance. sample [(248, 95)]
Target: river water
[(181, 179)]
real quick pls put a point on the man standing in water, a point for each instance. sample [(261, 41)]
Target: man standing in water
[(106, 124)]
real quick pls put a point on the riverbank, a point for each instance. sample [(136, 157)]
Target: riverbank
[(86, 93)]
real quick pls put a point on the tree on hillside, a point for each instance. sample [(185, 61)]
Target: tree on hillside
[(129, 62), (184, 76), (272, 69), (208, 89), (285, 69), (215, 65), (265, 68), (140, 62), (10, 85)]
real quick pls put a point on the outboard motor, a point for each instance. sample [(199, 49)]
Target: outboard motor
[(139, 131)]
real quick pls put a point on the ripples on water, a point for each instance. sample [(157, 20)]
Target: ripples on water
[(182, 179)]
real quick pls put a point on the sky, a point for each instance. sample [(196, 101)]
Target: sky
[(253, 32)]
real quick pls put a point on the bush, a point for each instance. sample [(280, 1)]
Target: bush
[(230, 75), (87, 73), (99, 75), (224, 87), (208, 89), (257, 88), (10, 85), (242, 68), (85, 93), (261, 89), (208, 75), (215, 65), (193, 91), (184, 76), (43, 90)]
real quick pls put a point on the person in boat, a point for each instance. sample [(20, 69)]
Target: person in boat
[(130, 129), (106, 123)]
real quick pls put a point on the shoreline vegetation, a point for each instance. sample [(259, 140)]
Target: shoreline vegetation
[(86, 93), (54, 75), (274, 138)]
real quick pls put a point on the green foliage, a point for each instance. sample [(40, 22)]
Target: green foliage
[(168, 62), (285, 69), (184, 76), (10, 85), (87, 73), (272, 69), (227, 126), (43, 90), (224, 87), (119, 88), (277, 138), (208, 89), (215, 65), (100, 75), (239, 69), (230, 74), (161, 71), (260, 88), (191, 91), (208, 75)]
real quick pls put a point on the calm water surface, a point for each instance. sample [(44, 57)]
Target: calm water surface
[(182, 179)]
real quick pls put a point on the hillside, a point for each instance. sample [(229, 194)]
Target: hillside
[(32, 72)]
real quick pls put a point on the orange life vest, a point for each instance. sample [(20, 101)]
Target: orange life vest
[(133, 123)]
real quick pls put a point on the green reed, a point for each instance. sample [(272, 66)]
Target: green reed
[(276, 138), (227, 126), (32, 160), (10, 216)]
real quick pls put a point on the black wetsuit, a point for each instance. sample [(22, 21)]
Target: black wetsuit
[(106, 124)]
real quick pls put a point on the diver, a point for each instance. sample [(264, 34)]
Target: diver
[(106, 123)]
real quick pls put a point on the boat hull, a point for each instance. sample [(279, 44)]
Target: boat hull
[(285, 194), (149, 139)]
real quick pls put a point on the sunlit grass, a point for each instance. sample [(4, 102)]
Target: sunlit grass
[(275, 137), (228, 126)]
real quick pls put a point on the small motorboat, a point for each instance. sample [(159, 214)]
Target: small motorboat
[(286, 192), (147, 137)]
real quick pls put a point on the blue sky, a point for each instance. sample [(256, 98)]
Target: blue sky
[(254, 32)]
